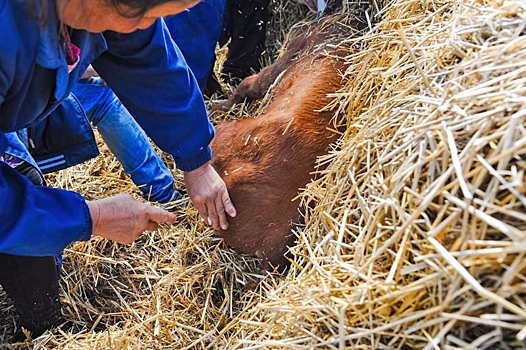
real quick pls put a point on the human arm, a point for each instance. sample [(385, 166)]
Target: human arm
[(148, 73), (36, 220), (123, 219), (197, 183), (42, 221)]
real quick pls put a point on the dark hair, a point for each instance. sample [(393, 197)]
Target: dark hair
[(137, 8), (38, 9)]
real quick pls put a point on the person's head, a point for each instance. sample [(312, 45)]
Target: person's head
[(122, 16)]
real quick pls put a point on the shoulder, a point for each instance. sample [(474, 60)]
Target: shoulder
[(18, 41), (9, 36), (14, 24), (13, 11)]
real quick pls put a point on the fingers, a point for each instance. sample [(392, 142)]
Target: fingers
[(160, 215), (224, 206), (151, 226), (209, 195), (131, 236), (123, 219), (221, 214), (216, 215), (228, 205)]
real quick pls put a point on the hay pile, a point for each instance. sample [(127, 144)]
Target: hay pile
[(417, 234), (417, 238)]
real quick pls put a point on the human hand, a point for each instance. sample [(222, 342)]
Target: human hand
[(210, 196), (123, 219)]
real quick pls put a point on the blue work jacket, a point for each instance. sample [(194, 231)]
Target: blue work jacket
[(145, 69), (196, 32)]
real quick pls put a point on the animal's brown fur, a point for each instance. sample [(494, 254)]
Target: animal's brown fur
[(309, 39), (265, 160)]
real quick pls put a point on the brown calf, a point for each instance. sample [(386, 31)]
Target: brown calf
[(310, 39), (264, 161)]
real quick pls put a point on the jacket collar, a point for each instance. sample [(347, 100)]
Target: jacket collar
[(51, 55)]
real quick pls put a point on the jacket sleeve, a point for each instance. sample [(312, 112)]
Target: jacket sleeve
[(149, 74), (34, 221), (37, 220)]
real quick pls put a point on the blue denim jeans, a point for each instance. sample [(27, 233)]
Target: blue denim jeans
[(126, 139)]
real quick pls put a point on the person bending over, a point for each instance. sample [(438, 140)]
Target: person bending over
[(47, 46)]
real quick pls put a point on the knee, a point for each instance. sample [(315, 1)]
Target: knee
[(103, 106)]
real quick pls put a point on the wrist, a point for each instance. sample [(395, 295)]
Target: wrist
[(94, 211), (199, 171)]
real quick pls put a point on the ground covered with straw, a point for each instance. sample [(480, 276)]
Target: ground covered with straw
[(416, 233)]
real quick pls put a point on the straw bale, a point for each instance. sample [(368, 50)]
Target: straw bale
[(416, 233), (416, 239)]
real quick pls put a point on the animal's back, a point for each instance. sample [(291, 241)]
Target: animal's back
[(265, 160)]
